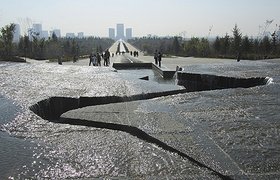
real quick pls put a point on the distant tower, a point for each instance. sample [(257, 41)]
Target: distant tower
[(45, 34), (80, 35), (112, 33), (37, 30), (56, 32), (128, 33), (70, 35), (278, 33), (16, 33), (120, 31), (30, 33)]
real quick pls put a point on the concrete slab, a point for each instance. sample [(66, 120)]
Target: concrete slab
[(233, 131)]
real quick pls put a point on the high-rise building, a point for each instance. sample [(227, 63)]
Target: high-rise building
[(128, 33), (37, 30), (278, 33), (70, 35), (30, 33), (80, 35), (44, 34), (16, 33), (56, 32), (120, 31), (112, 33)]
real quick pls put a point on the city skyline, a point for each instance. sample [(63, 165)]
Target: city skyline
[(120, 32), (37, 30), (160, 17)]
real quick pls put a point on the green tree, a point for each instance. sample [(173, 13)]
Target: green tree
[(67, 47), (225, 44), (265, 46), (237, 37), (54, 49), (42, 48), (246, 45), (176, 46), (217, 45), (146, 47), (192, 47), (256, 46), (6, 37), (54, 37), (24, 46), (204, 47), (274, 41), (35, 47)]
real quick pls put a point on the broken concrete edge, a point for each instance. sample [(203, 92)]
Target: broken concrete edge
[(52, 108), (199, 82), (166, 74), (145, 78), (120, 66), (221, 82)]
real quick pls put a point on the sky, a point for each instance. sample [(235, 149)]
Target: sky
[(188, 18)]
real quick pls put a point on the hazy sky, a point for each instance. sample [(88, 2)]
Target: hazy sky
[(158, 17)]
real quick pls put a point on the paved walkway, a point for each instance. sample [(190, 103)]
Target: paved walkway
[(189, 64), (234, 131)]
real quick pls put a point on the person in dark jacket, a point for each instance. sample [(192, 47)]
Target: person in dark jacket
[(159, 58), (98, 57), (156, 57)]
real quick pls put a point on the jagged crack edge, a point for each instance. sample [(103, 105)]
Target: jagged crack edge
[(139, 134)]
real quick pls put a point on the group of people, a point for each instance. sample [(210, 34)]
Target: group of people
[(95, 59), (157, 58), (134, 53)]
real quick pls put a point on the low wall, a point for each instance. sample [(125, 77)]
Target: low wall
[(132, 65), (203, 82), (165, 74), (52, 108)]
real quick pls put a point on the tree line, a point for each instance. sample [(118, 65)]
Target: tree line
[(52, 48), (67, 49), (221, 47)]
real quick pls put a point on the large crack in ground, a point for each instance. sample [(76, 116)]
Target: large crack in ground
[(52, 108)]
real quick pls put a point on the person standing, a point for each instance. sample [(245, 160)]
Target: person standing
[(94, 59), (238, 56), (107, 57), (59, 60), (156, 57), (98, 57), (159, 58), (91, 59), (104, 58)]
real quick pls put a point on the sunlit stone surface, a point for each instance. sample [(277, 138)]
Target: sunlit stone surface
[(234, 131)]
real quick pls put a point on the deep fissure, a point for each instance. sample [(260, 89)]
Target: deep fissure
[(52, 108)]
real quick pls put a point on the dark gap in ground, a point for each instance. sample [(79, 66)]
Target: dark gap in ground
[(206, 82), (52, 108)]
